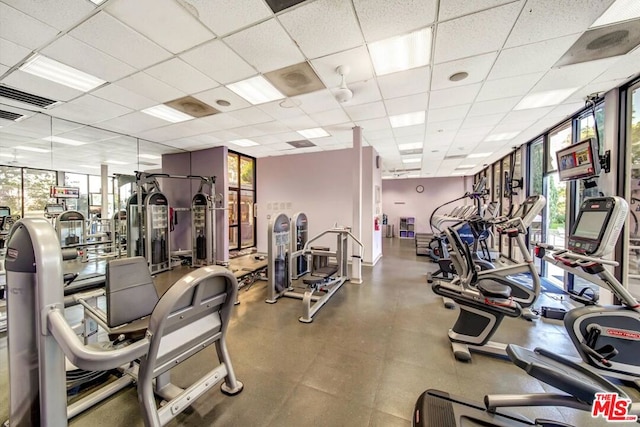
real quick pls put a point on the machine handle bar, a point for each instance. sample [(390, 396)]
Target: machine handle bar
[(565, 253)]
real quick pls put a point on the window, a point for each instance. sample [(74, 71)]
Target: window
[(36, 185), (241, 174), (80, 204), (536, 167), (633, 189), (11, 189), (559, 138)]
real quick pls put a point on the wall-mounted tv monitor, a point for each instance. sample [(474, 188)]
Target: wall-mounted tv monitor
[(578, 161)]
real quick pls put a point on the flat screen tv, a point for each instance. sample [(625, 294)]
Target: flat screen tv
[(578, 161)]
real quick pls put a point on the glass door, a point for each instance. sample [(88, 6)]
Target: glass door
[(242, 226)]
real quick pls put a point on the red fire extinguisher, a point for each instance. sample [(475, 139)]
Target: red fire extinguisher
[(376, 224)]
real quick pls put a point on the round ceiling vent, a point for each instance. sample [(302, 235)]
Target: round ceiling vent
[(458, 76)]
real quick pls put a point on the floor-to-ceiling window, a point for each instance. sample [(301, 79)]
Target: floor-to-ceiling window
[(633, 188), (241, 175), (555, 218), (36, 184), (536, 187), (11, 189)]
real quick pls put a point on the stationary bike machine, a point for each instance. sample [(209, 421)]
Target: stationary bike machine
[(606, 337)]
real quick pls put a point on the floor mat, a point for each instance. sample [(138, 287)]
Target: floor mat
[(546, 285)]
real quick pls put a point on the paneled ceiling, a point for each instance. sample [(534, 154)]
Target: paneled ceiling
[(151, 52)]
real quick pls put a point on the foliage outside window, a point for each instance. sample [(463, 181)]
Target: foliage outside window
[(36, 185), (536, 156), (232, 169), (11, 189)]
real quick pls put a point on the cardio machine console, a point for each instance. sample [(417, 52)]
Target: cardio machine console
[(598, 226)]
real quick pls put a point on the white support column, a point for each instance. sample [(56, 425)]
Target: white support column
[(356, 262), (104, 184)]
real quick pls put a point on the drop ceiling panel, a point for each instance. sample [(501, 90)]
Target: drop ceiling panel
[(412, 131), (178, 130), (89, 109), (59, 14), (111, 36), (404, 83), (314, 102), (477, 67), (448, 113), (443, 126), (625, 69), (370, 127), (485, 120), (494, 106), (356, 59), (177, 73), (277, 111), (323, 27), (85, 58), (219, 62), (250, 116), (531, 58), (225, 16), (573, 76), (163, 21), (222, 121), (525, 116), (124, 97), (23, 29), (511, 86), (299, 123), (222, 93), (11, 53), (454, 8), (380, 19), (407, 104), (37, 86), (473, 35), (150, 87), (454, 96), (364, 92), (266, 46), (366, 111), (3, 69), (330, 117), (547, 19), (133, 123), (271, 127)]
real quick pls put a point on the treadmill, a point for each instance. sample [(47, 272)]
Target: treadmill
[(578, 385)]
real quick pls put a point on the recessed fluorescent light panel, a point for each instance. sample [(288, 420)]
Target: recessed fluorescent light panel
[(544, 99), (115, 162), (32, 149), (313, 133), (244, 142), (58, 72), (256, 90), (90, 166), (402, 52), (501, 136), (410, 146), (149, 156), (478, 155), (167, 113), (412, 160), (409, 119), (10, 156), (466, 167), (65, 141), (458, 173), (621, 10)]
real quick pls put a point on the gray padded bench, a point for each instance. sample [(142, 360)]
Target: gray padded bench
[(422, 243)]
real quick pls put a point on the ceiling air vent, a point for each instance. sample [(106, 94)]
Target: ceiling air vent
[(280, 5), (8, 115), (303, 143), (192, 106), (24, 97), (295, 79)]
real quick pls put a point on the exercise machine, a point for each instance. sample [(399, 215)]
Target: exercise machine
[(579, 387), (324, 278), (299, 236), (607, 338), (485, 297), (71, 228), (203, 225), (192, 315)]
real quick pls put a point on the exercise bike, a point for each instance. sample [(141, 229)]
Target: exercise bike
[(607, 338)]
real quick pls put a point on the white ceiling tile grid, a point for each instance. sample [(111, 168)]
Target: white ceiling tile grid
[(154, 51)]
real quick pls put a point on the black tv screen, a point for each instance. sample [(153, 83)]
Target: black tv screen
[(578, 161)]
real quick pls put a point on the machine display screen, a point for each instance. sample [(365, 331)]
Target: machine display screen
[(590, 224), (5, 212)]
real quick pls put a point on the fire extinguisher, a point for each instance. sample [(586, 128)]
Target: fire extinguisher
[(376, 224)]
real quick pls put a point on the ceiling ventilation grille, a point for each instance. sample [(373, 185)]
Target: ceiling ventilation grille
[(303, 143), (192, 106), (24, 97), (295, 79), (8, 115)]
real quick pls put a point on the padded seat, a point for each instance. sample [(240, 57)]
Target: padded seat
[(494, 290), (326, 271), (131, 297)]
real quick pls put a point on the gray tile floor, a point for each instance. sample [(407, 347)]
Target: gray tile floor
[(363, 361)]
